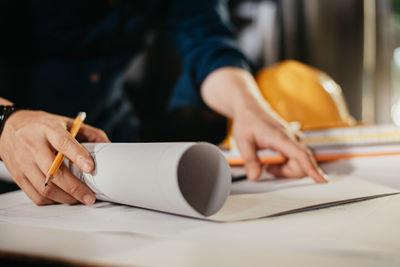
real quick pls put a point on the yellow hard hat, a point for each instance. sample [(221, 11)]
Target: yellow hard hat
[(302, 94)]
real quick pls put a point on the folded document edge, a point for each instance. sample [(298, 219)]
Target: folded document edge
[(309, 208)]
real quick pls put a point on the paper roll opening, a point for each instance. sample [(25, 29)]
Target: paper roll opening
[(204, 178)]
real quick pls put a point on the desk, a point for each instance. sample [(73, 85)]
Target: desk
[(360, 234)]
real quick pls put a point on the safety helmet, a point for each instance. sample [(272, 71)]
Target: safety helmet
[(305, 95)]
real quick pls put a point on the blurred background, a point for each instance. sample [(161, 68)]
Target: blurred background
[(356, 42)]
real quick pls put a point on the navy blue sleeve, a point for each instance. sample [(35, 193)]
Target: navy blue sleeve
[(205, 41)]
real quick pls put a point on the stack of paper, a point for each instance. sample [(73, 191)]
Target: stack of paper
[(337, 143)]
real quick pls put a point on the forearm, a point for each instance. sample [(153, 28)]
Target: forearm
[(230, 89)]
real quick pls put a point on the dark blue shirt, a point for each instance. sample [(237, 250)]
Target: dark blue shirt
[(69, 56)]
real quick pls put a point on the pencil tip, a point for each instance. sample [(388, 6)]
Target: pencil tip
[(49, 177)]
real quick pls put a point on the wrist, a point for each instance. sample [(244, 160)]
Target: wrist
[(247, 97), (229, 89), (6, 111)]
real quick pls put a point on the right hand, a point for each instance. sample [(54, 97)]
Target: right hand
[(234, 93), (28, 145)]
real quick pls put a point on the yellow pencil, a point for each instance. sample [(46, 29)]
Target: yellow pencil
[(60, 156)]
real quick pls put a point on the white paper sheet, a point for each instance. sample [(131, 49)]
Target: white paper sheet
[(15, 207), (299, 195)]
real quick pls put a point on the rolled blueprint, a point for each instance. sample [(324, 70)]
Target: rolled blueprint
[(191, 179)]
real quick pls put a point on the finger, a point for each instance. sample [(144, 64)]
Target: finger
[(276, 170), (92, 134), (298, 136), (65, 143), (251, 160), (51, 191), (23, 183), (30, 190), (291, 169), (36, 176), (303, 156), (310, 166), (65, 180)]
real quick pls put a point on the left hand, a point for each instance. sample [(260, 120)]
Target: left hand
[(233, 92), (27, 147)]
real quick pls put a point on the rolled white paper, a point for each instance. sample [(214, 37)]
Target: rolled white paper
[(191, 179)]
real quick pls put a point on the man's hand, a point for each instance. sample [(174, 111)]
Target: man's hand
[(28, 145), (233, 92)]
